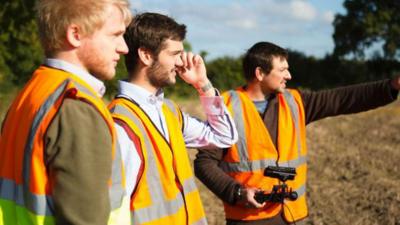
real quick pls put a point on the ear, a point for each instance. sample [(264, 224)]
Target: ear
[(259, 74), (74, 36), (145, 56)]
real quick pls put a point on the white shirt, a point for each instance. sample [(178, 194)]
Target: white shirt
[(218, 131), (96, 84)]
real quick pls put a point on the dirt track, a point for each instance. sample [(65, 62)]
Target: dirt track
[(354, 170)]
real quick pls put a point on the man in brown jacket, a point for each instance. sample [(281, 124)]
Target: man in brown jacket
[(58, 163), (271, 124)]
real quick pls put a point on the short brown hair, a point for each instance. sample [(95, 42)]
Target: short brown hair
[(261, 55), (149, 31), (54, 16)]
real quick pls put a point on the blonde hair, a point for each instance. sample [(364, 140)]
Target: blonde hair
[(54, 16)]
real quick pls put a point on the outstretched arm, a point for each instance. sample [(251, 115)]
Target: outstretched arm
[(395, 82), (349, 99)]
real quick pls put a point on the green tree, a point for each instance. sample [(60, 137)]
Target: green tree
[(368, 22), (20, 51), (226, 72)]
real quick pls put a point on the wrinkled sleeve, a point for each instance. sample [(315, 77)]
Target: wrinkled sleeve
[(346, 100), (78, 157), (218, 131)]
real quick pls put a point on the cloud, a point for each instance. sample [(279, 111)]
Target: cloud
[(135, 5), (328, 17), (245, 24), (302, 10), (226, 27)]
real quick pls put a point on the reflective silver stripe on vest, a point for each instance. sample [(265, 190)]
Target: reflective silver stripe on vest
[(238, 118), (249, 166), (295, 114), (189, 185), (295, 162), (246, 166), (171, 106), (40, 204), (84, 89), (160, 207), (166, 207), (154, 177), (117, 192), (301, 190), (37, 205), (173, 109), (201, 221), (157, 211)]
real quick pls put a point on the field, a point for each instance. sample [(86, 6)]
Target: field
[(354, 170)]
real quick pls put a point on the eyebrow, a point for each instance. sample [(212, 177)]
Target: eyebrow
[(119, 32), (176, 52)]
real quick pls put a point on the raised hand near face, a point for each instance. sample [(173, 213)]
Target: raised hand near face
[(193, 71)]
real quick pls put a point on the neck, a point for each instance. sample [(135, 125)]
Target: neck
[(70, 57), (255, 92), (139, 78)]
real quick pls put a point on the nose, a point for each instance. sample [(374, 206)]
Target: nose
[(288, 75), (122, 48), (179, 61)]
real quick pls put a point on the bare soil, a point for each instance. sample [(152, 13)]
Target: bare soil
[(354, 169)]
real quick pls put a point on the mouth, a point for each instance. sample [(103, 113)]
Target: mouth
[(115, 62)]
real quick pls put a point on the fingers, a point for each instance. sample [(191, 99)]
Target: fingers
[(190, 60), (184, 59), (250, 201), (197, 59), (180, 70)]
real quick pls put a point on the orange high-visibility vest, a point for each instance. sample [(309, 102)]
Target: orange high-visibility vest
[(247, 159), (25, 185), (166, 192)]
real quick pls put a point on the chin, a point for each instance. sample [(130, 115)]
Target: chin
[(172, 81), (280, 90), (110, 75)]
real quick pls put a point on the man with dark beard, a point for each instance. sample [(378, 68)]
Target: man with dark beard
[(271, 121), (153, 132)]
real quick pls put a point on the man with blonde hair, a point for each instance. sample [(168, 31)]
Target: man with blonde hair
[(58, 161)]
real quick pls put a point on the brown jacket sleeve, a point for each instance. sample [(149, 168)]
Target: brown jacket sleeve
[(78, 158), (347, 100), (207, 171)]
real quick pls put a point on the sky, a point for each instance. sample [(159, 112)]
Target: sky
[(230, 27)]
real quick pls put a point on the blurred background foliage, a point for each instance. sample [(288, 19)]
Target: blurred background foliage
[(367, 23)]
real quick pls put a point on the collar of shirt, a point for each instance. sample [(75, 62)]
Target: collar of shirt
[(140, 95), (96, 84)]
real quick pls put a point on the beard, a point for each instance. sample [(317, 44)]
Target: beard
[(280, 90), (97, 65), (159, 76)]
